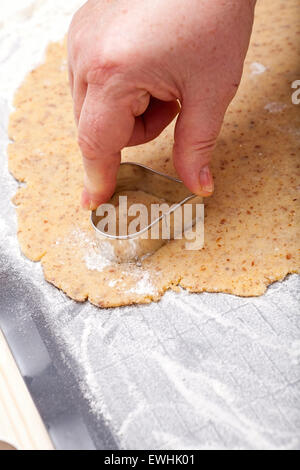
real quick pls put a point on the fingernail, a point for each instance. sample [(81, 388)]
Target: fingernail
[(93, 205), (87, 203), (206, 180)]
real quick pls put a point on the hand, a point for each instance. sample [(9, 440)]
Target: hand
[(131, 61)]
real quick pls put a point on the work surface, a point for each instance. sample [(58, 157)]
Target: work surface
[(193, 371)]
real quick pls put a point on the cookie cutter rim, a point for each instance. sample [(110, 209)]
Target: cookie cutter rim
[(135, 235)]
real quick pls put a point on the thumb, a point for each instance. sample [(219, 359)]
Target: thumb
[(196, 132)]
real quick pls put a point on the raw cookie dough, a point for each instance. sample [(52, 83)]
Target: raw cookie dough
[(252, 220)]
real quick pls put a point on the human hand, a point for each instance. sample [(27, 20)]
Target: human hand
[(129, 63)]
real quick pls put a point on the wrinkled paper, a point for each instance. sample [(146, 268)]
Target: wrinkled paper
[(195, 371)]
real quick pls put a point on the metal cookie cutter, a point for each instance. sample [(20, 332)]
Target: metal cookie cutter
[(136, 177)]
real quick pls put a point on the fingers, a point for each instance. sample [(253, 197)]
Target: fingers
[(104, 129), (196, 131), (158, 115)]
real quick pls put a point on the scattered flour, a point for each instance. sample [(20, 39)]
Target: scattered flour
[(99, 257), (100, 254), (26, 28), (144, 285), (96, 261)]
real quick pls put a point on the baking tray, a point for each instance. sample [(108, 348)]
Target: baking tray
[(194, 371)]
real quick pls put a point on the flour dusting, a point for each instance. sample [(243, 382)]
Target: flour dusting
[(96, 261), (100, 256), (144, 285), (195, 371)]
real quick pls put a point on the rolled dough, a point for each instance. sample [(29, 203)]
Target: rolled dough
[(252, 220), (135, 249)]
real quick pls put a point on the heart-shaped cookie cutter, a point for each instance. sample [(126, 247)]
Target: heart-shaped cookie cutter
[(137, 177)]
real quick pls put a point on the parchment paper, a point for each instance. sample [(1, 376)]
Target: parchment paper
[(193, 371)]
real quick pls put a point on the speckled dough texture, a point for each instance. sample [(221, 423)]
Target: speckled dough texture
[(252, 220)]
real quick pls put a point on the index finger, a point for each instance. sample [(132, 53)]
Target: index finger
[(105, 127)]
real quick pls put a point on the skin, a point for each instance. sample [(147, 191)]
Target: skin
[(131, 62)]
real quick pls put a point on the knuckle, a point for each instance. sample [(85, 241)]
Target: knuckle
[(201, 145), (204, 146), (195, 149), (100, 68), (98, 63), (87, 146)]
